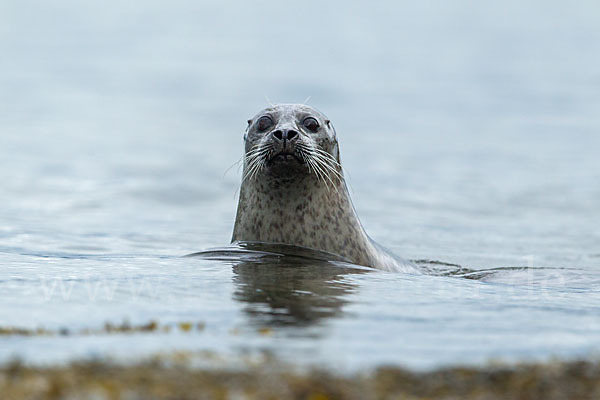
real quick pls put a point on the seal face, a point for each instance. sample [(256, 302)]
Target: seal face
[(293, 189), (288, 143)]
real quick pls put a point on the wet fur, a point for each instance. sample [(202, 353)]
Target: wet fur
[(303, 201)]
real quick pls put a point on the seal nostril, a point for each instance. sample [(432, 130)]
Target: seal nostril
[(291, 134), (278, 135)]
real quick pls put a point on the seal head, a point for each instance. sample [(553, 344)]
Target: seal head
[(293, 189), (289, 142)]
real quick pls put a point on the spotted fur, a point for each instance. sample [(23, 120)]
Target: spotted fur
[(302, 200)]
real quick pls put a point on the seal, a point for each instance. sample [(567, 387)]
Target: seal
[(293, 189)]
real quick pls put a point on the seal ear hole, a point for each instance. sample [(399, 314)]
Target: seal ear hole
[(330, 125), (328, 122)]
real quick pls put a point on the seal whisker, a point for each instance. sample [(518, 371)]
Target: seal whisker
[(308, 155), (258, 151), (321, 175), (329, 156), (335, 163), (260, 165), (325, 154), (255, 160), (338, 170), (238, 163), (256, 166), (323, 167), (327, 163), (252, 154), (269, 101), (313, 168), (302, 154), (291, 164), (248, 172), (311, 165)]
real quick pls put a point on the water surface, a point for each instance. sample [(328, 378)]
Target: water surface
[(469, 135)]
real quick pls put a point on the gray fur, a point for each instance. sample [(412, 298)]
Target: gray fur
[(302, 201)]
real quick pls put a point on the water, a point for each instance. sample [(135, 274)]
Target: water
[(469, 133)]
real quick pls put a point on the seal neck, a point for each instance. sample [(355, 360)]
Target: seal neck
[(304, 213)]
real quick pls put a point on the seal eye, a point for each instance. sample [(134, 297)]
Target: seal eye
[(264, 123), (311, 124)]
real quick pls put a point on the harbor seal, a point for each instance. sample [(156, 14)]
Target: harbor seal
[(293, 190)]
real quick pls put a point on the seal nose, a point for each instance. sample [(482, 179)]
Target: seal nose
[(285, 135)]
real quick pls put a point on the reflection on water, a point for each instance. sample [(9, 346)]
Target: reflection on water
[(289, 294), (287, 285)]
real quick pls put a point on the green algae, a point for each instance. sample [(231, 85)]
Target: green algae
[(108, 328)]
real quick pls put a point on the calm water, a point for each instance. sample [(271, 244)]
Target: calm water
[(470, 133)]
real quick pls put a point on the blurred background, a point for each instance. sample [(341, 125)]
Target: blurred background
[(449, 114), (470, 131)]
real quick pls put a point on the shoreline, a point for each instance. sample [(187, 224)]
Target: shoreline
[(156, 379)]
